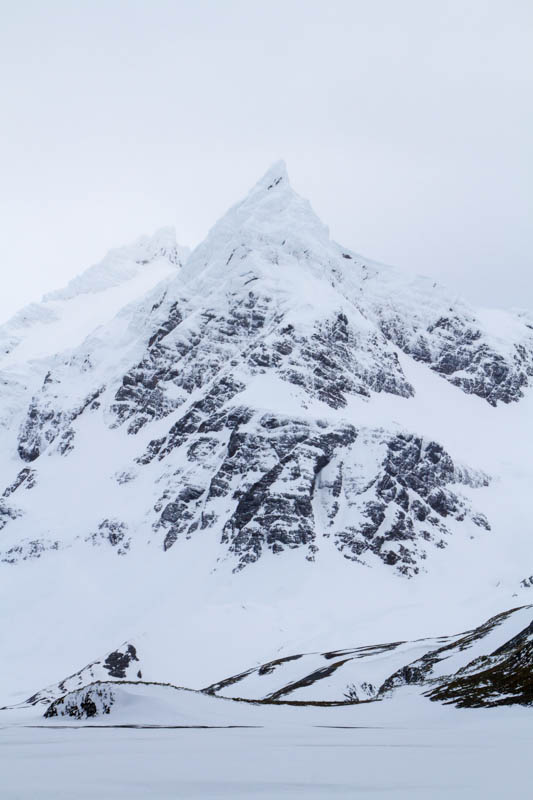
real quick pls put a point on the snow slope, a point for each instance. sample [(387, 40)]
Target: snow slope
[(376, 671), (43, 336), (453, 668), (66, 316)]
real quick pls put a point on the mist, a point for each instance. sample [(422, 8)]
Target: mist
[(408, 127)]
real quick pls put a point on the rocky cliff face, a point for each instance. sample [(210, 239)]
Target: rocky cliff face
[(269, 301), (284, 483), (272, 398)]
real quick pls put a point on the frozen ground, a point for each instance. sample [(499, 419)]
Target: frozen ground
[(392, 750)]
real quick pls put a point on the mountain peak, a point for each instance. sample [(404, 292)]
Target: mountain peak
[(275, 175), (278, 429), (272, 221)]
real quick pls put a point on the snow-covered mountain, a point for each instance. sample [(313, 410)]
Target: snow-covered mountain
[(267, 447)]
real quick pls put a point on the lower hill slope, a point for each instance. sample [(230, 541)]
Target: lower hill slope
[(488, 666)]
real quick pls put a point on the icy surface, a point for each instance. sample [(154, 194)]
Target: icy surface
[(405, 750)]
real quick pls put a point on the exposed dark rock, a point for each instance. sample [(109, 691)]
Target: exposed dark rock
[(26, 478), (328, 364), (273, 470), (124, 662), (7, 513), (118, 661), (44, 422), (503, 678), (27, 549), (455, 348), (84, 704), (178, 515), (411, 483), (114, 532)]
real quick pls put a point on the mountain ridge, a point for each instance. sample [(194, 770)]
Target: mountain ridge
[(274, 404)]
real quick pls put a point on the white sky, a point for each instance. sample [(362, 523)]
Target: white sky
[(409, 126)]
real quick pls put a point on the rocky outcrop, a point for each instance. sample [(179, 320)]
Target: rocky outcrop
[(6, 513), (404, 505), (457, 349), (28, 549), (249, 336), (83, 704), (113, 532), (47, 421), (25, 478), (287, 483), (502, 678), (124, 663)]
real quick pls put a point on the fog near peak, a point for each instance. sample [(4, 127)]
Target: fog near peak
[(408, 127)]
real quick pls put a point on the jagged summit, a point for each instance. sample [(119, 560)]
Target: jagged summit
[(273, 177), (270, 229)]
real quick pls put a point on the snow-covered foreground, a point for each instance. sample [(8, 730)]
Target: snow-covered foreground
[(400, 749)]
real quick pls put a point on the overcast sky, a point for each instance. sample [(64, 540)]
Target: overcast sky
[(409, 126)]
